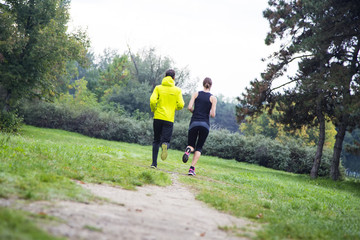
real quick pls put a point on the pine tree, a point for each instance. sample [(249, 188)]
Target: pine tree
[(324, 37)]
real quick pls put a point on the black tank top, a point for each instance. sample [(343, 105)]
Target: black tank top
[(202, 108)]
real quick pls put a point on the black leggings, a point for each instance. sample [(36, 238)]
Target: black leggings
[(162, 134), (200, 134)]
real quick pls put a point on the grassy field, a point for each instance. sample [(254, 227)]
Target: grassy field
[(41, 164)]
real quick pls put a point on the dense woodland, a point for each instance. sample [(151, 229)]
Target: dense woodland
[(50, 78)]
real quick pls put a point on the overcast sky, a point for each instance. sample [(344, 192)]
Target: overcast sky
[(220, 39)]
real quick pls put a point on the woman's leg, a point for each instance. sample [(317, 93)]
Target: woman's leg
[(196, 157), (202, 135), (192, 136)]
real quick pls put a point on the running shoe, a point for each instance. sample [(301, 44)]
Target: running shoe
[(164, 153), (185, 157), (192, 172), (153, 167)]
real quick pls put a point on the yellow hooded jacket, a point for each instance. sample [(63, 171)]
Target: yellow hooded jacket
[(165, 99)]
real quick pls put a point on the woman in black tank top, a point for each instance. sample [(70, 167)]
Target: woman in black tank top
[(205, 107)]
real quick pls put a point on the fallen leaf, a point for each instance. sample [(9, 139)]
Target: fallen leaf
[(42, 214), (202, 234), (138, 210)]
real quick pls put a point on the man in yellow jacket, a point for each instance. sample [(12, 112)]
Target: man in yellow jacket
[(165, 99)]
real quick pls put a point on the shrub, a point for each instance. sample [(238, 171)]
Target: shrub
[(10, 122), (222, 143), (180, 136)]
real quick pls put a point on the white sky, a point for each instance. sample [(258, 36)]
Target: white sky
[(220, 39)]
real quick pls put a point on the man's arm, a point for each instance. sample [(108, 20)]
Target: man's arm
[(153, 99), (180, 101)]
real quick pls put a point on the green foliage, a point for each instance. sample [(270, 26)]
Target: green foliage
[(150, 67), (89, 121), (115, 76), (82, 96), (287, 155), (263, 125), (91, 72), (134, 96), (268, 125), (351, 153), (225, 115), (180, 135), (10, 122), (323, 37), (184, 115), (35, 48)]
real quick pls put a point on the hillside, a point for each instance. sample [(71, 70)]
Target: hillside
[(46, 165)]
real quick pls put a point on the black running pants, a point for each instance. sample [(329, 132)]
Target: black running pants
[(197, 137), (162, 134)]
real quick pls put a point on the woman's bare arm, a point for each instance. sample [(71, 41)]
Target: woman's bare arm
[(192, 101), (213, 101)]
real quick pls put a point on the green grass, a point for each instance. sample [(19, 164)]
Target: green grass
[(294, 206), (43, 164), (17, 225)]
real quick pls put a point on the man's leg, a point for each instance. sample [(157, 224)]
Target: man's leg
[(157, 126), (166, 133)]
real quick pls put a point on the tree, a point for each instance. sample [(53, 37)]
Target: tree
[(81, 97), (351, 153), (148, 66), (225, 115), (323, 36), (34, 48), (91, 72), (115, 76), (274, 127), (134, 96)]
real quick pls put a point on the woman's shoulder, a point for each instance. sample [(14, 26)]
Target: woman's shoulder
[(213, 98), (195, 94)]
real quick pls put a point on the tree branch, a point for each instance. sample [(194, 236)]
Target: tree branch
[(302, 56), (283, 85), (134, 62)]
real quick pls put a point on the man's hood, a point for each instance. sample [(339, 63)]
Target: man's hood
[(168, 81)]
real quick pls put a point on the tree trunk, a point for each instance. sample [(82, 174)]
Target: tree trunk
[(320, 146), (334, 172), (6, 106), (134, 62)]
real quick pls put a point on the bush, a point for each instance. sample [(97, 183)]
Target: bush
[(89, 121), (222, 143), (180, 136), (10, 122), (289, 155)]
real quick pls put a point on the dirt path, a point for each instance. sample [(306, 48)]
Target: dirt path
[(151, 212)]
